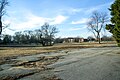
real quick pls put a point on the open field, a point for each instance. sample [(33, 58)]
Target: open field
[(7, 51)]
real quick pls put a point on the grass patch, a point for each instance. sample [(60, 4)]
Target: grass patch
[(16, 51)]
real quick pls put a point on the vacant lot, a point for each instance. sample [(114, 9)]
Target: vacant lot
[(7, 51), (83, 61)]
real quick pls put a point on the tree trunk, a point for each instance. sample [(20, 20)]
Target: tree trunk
[(0, 26), (43, 43), (50, 40), (98, 37)]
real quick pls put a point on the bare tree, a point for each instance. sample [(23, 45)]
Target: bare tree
[(48, 33), (97, 23), (3, 4)]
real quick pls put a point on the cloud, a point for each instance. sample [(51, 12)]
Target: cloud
[(81, 21), (86, 10), (31, 21), (95, 8), (74, 10), (69, 11), (37, 20), (77, 28), (58, 19)]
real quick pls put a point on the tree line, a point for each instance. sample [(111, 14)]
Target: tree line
[(44, 36), (33, 37)]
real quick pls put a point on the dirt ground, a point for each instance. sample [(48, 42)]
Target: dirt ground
[(61, 62)]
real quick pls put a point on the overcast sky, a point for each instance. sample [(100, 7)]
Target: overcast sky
[(69, 16)]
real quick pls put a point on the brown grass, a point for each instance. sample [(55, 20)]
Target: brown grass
[(14, 51)]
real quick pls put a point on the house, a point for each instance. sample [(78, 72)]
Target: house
[(73, 39)]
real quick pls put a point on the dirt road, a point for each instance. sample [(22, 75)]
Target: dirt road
[(72, 64)]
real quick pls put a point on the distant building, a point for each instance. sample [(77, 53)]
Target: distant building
[(72, 39)]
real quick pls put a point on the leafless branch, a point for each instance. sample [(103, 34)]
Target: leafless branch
[(96, 24)]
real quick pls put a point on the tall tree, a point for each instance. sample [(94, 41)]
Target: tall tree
[(3, 4), (114, 28), (48, 33), (97, 23)]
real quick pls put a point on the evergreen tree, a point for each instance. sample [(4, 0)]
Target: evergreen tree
[(114, 28)]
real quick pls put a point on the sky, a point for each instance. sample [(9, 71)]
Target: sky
[(69, 16)]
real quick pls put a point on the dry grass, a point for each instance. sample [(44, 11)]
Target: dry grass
[(14, 51), (21, 51)]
